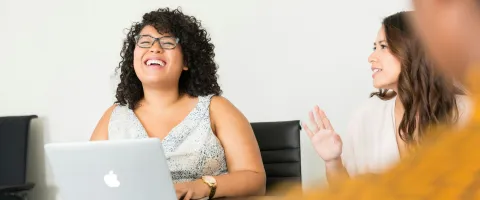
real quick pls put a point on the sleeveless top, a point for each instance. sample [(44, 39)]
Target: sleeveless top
[(191, 148)]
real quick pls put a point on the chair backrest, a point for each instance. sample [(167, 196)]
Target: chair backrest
[(13, 149), (279, 144)]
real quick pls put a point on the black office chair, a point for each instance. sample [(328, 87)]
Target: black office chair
[(279, 144), (13, 156)]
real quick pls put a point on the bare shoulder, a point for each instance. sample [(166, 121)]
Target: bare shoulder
[(223, 113), (101, 130), (221, 108), (220, 102)]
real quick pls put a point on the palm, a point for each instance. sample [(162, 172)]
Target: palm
[(327, 144), (324, 139)]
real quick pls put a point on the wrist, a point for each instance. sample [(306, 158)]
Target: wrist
[(211, 183), (204, 188), (334, 163)]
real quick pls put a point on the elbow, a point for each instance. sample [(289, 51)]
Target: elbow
[(261, 192), (261, 188), (254, 183)]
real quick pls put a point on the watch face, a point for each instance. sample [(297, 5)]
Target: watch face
[(210, 179)]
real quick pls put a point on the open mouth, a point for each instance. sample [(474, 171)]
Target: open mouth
[(375, 71), (154, 62)]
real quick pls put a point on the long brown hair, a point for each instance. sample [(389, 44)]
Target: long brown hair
[(427, 95)]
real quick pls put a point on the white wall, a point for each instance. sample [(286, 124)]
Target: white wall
[(277, 60)]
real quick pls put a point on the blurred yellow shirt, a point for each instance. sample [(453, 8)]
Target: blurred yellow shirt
[(447, 168)]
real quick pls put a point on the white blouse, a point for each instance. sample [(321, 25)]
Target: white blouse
[(370, 145)]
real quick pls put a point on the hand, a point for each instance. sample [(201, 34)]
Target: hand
[(325, 140), (192, 190)]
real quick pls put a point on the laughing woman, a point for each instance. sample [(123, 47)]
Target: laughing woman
[(169, 90)]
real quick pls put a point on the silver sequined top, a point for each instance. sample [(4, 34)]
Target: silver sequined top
[(191, 148)]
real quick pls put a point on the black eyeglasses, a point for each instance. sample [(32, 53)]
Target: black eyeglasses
[(147, 41)]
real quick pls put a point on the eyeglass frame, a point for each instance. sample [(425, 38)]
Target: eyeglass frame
[(137, 38)]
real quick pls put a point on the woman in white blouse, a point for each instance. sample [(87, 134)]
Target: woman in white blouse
[(412, 96)]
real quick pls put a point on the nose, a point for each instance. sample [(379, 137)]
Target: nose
[(373, 57), (156, 48)]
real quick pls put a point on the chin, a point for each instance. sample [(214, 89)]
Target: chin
[(152, 81), (378, 86), (385, 85)]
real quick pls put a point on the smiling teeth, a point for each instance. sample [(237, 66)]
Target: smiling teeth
[(376, 70), (158, 62)]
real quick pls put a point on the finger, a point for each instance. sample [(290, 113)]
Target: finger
[(180, 195), (325, 120), (313, 122), (319, 117), (327, 123), (188, 196), (309, 132), (179, 191)]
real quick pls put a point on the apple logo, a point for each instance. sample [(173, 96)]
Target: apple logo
[(111, 179)]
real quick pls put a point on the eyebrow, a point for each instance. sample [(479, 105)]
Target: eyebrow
[(381, 41)]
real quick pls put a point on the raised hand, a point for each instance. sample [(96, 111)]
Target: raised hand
[(325, 140)]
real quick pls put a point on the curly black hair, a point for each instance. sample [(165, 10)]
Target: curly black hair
[(198, 52)]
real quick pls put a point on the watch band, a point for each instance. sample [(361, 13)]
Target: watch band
[(213, 189)]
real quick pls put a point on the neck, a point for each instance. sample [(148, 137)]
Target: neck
[(160, 97)]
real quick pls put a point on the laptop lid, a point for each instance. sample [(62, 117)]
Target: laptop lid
[(114, 169)]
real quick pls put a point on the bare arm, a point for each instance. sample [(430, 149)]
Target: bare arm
[(246, 172), (336, 172), (101, 130)]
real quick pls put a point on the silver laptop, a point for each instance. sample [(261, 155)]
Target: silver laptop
[(116, 169)]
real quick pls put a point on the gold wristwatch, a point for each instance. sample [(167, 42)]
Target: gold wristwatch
[(212, 183)]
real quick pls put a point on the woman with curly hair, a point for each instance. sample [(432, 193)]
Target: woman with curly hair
[(169, 90), (413, 97)]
